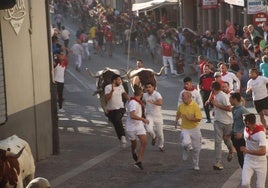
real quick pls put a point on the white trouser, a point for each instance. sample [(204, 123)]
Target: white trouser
[(192, 137), (78, 60), (155, 130), (251, 165), (167, 60)]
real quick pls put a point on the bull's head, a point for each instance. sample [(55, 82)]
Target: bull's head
[(9, 167)]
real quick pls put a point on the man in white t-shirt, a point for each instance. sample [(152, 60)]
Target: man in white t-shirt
[(231, 78), (115, 106), (223, 122), (77, 50), (65, 35), (188, 86), (153, 103), (257, 85), (254, 152)]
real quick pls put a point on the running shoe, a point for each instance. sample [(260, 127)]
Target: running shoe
[(138, 165)]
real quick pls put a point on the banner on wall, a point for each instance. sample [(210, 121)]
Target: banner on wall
[(209, 4), (256, 6), (235, 2)]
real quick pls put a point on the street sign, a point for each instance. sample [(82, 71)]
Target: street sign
[(259, 18)]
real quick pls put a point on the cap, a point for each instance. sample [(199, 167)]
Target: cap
[(217, 74)]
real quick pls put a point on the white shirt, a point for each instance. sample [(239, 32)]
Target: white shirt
[(115, 101), (230, 78), (131, 124), (253, 142), (195, 97), (222, 115), (258, 86), (77, 49), (65, 34), (153, 110), (59, 73)]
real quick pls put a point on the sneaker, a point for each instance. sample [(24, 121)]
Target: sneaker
[(196, 168), (188, 147), (208, 121), (138, 165), (218, 166), (184, 155), (230, 157), (123, 140), (162, 149), (135, 157), (61, 110), (153, 141), (165, 76)]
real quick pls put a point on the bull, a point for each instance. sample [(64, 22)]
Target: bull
[(104, 78), (16, 163), (142, 76)]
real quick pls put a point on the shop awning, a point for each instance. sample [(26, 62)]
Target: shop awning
[(151, 4)]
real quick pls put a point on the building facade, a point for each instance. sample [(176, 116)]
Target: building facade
[(25, 69), (195, 15)]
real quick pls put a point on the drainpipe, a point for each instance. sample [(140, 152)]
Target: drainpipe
[(181, 14), (53, 89)]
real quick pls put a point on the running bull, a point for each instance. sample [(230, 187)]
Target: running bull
[(142, 76), (16, 163), (104, 77)]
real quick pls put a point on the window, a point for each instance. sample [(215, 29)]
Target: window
[(3, 111)]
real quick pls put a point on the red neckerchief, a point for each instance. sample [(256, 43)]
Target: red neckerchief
[(138, 101), (257, 129), (191, 89), (223, 73)]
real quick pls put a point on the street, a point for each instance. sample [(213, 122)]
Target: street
[(90, 153)]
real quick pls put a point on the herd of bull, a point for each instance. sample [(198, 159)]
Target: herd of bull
[(138, 77), (17, 166)]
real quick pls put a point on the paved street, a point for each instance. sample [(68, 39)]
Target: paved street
[(90, 155)]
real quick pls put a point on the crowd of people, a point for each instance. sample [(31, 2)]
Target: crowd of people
[(232, 68)]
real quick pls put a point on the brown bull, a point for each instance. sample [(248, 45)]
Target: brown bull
[(104, 78), (142, 76)]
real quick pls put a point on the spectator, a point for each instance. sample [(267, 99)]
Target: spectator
[(264, 66), (230, 31), (167, 53)]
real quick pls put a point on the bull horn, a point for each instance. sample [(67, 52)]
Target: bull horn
[(91, 74), (128, 74), (124, 75), (160, 72), (10, 154)]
